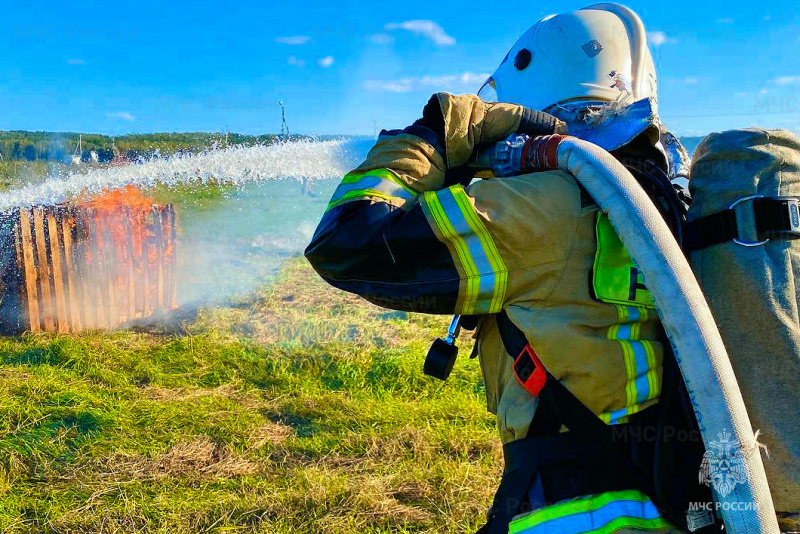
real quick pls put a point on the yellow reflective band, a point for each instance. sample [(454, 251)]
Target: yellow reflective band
[(596, 514), (375, 184), (446, 233), (654, 385), (642, 385), (630, 370), (355, 176), (484, 276), (490, 249)]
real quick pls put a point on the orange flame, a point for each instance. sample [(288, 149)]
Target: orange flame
[(132, 238), (111, 200)]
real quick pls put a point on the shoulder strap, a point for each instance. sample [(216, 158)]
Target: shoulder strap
[(557, 403), (775, 218), (666, 473)]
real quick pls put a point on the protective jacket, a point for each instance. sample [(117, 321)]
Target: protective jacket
[(406, 232)]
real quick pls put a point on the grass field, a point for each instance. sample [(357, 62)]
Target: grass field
[(14, 174), (297, 409)]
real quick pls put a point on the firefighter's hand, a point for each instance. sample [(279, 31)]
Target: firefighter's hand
[(465, 121), (518, 154)]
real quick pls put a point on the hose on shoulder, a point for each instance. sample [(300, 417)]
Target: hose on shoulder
[(684, 312)]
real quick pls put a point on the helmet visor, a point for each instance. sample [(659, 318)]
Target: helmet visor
[(488, 93)]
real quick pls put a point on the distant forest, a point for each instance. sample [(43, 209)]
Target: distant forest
[(60, 147)]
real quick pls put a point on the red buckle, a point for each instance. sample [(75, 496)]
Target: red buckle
[(529, 371)]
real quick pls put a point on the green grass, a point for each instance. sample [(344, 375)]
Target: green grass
[(300, 409), (16, 174)]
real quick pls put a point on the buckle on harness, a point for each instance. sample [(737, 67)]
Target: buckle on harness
[(784, 223), (737, 239), (769, 218), (529, 371)]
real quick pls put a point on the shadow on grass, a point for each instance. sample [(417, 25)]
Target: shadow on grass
[(304, 427), (53, 355)]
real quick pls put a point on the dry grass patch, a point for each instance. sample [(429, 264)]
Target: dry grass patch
[(270, 433), (303, 410)]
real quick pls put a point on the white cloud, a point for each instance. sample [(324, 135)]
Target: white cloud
[(124, 115), (294, 40), (786, 80), (726, 20), (76, 61), (381, 38), (659, 38), (397, 86), (292, 60), (326, 62), (426, 28), (466, 80), (690, 81)]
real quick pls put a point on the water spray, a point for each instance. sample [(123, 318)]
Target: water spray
[(66, 262)]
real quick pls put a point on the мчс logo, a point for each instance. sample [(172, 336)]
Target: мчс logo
[(723, 465)]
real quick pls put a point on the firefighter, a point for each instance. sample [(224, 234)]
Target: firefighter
[(569, 342)]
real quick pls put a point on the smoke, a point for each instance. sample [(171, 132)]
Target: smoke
[(233, 237), (242, 241)]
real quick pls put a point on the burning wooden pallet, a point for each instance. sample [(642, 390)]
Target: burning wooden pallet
[(95, 265)]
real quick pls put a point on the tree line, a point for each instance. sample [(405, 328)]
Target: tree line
[(62, 146)]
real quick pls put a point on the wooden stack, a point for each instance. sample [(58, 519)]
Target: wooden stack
[(83, 267)]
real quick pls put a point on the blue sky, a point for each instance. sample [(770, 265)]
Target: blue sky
[(349, 67)]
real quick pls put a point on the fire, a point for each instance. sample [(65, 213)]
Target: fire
[(129, 196), (105, 261), (141, 241)]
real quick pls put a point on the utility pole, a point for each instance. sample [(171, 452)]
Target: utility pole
[(284, 126)]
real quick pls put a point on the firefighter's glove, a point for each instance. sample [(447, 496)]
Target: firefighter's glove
[(463, 122)]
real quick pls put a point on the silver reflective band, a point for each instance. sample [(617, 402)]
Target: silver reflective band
[(378, 183)]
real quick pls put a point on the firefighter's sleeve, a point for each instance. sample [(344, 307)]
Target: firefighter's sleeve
[(402, 232)]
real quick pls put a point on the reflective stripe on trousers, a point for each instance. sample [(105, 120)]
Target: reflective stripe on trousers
[(605, 513)]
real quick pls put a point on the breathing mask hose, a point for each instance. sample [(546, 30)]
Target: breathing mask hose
[(699, 350)]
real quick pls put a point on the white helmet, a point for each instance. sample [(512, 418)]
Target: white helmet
[(592, 69), (598, 53)]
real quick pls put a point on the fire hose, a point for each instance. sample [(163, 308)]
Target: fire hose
[(684, 312)]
